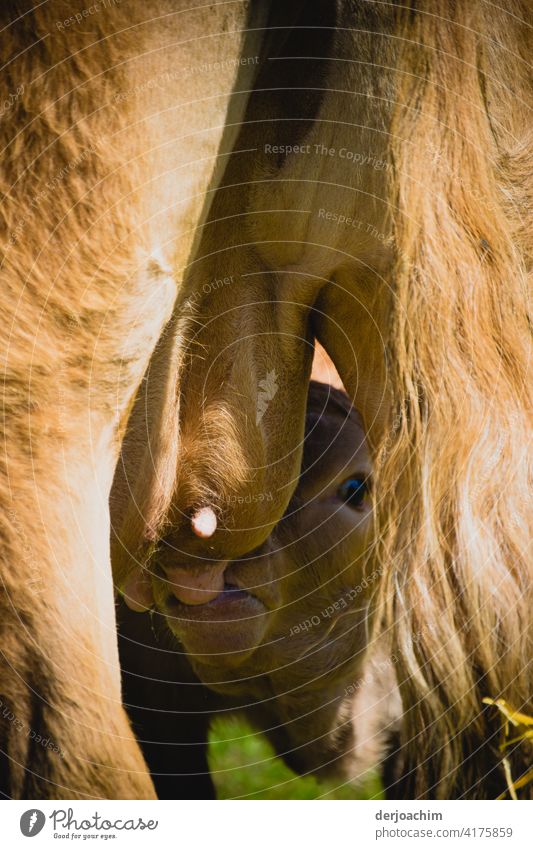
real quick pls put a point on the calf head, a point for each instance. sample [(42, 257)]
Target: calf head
[(294, 610)]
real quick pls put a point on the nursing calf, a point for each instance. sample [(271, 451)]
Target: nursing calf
[(388, 214), (285, 640)]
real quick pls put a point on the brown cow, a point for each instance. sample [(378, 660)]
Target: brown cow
[(378, 196), (380, 199)]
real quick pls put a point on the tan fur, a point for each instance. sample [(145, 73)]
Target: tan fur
[(104, 182)]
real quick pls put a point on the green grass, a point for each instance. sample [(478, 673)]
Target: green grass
[(243, 765)]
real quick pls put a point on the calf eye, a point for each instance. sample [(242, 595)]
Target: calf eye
[(354, 491)]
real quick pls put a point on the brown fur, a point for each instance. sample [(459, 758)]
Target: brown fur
[(104, 182), (423, 303)]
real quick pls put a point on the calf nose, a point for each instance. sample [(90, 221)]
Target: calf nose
[(196, 586)]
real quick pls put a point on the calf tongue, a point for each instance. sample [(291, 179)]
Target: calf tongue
[(197, 585)]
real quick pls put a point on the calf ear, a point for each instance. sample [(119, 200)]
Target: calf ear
[(323, 369), (351, 329), (295, 60)]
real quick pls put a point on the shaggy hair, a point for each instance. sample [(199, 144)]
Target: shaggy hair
[(454, 468)]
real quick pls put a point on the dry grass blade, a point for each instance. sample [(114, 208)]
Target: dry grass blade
[(518, 720), (512, 715)]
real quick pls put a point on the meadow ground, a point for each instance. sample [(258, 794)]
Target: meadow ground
[(243, 765)]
